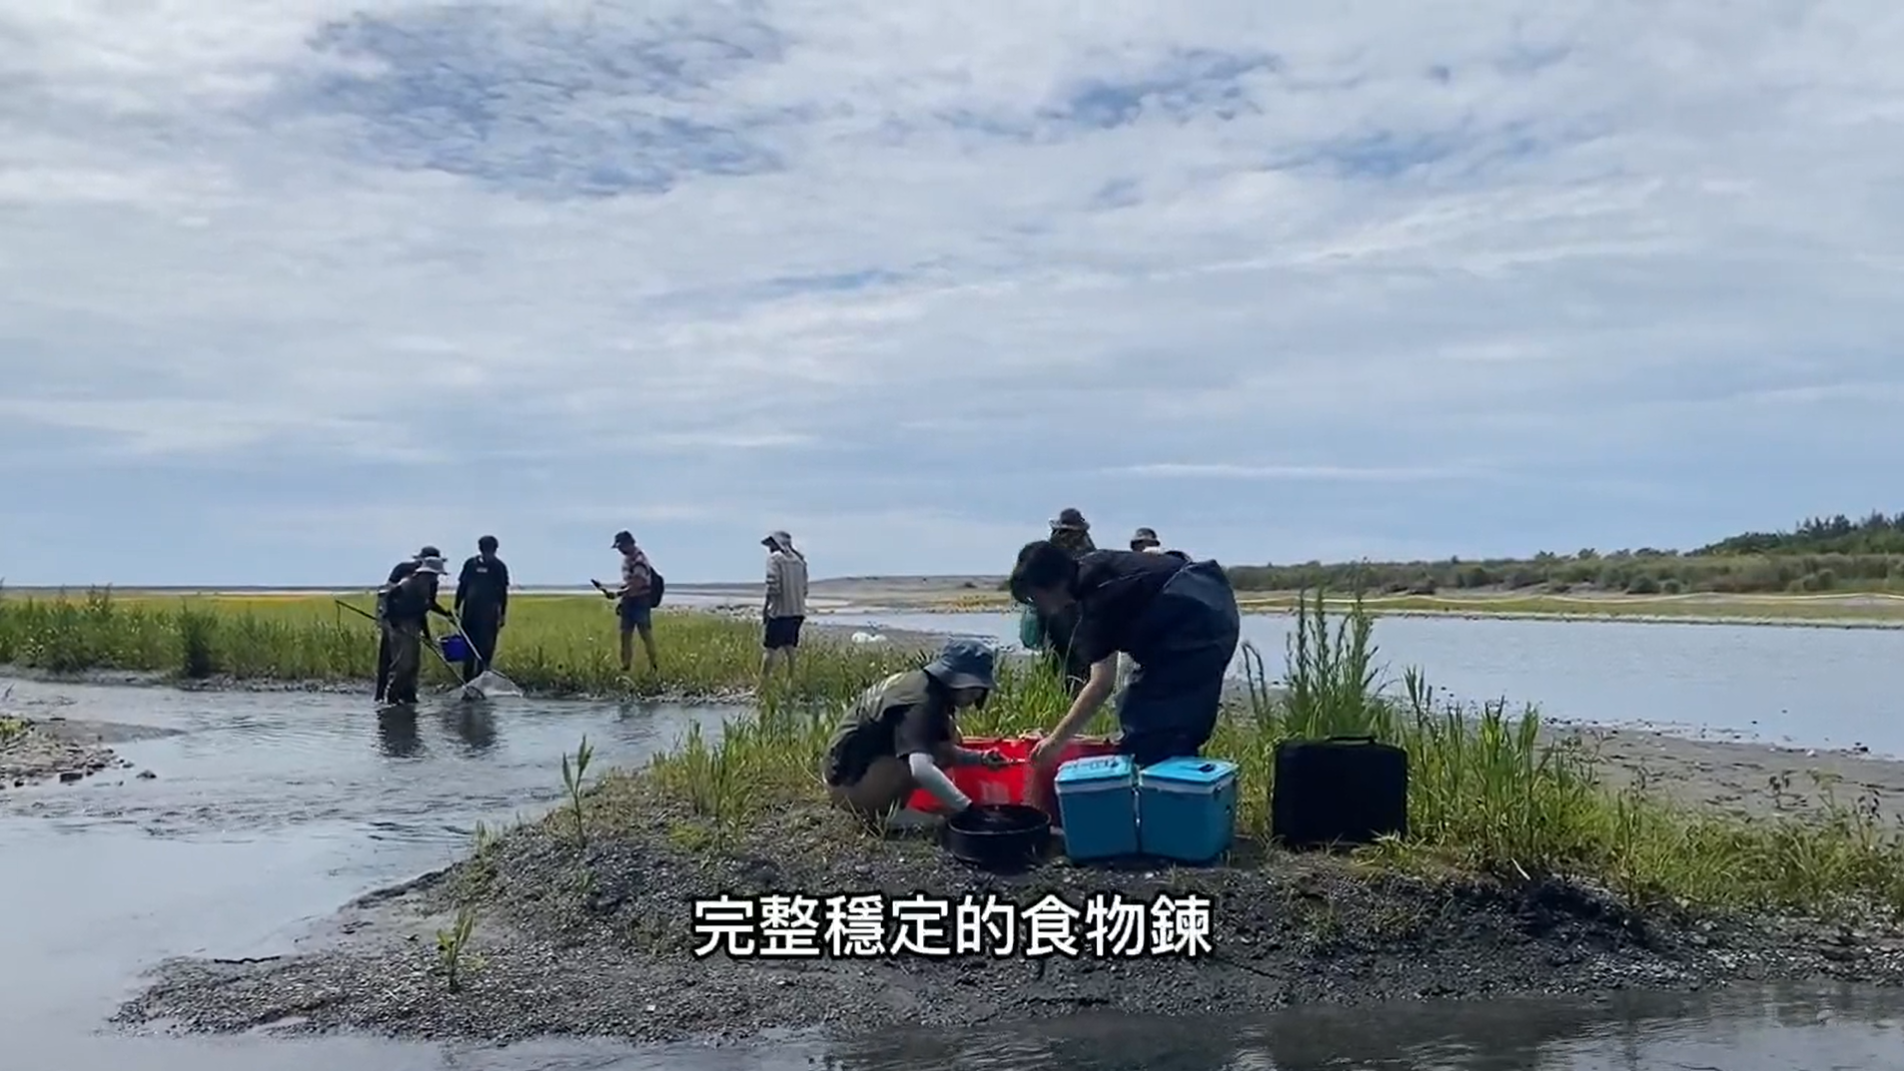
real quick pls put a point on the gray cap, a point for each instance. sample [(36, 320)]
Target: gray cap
[(963, 664), (777, 538)]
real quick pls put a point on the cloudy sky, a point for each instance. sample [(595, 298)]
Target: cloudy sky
[(288, 288)]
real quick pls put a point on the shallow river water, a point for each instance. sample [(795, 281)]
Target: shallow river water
[(1808, 687), (268, 811)]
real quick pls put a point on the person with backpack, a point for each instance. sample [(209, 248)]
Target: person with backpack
[(635, 600)]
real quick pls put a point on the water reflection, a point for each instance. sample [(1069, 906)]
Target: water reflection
[(1740, 1030), (474, 724), (397, 732)]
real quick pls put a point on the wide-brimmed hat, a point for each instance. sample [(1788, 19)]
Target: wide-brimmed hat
[(428, 551), (963, 664), (430, 565), (1147, 536), (1070, 520), (776, 538)]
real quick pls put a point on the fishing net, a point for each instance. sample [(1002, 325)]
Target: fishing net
[(490, 683)]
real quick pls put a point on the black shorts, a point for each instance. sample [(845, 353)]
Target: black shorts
[(781, 632)]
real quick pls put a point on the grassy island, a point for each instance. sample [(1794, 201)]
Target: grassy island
[(1525, 871)]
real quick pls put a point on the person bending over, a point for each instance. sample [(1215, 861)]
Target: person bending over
[(482, 605), (1179, 622), (397, 573), (406, 623), (901, 732)]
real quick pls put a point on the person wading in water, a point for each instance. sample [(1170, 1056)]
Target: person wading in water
[(397, 574), (406, 623), (482, 605)]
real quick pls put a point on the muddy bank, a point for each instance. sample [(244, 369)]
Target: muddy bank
[(600, 940), (1753, 779), (34, 750)]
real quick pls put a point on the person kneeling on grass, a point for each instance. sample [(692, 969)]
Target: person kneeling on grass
[(901, 731), (1177, 619)]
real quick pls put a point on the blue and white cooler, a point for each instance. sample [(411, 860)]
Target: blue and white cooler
[(1187, 809), (1097, 806)]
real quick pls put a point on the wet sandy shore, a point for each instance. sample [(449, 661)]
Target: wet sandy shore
[(1748, 778)]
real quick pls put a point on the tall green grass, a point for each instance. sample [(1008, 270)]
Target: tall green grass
[(554, 645), (1489, 791)]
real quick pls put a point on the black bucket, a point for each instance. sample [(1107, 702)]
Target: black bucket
[(997, 836), (1342, 791)]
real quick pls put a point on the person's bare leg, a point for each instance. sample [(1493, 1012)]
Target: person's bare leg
[(766, 669), (788, 655), (627, 649)]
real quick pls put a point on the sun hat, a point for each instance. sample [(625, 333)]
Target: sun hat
[(963, 664), (1147, 536), (430, 565), (428, 551), (1070, 519)]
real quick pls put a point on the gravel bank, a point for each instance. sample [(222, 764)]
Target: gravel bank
[(34, 750), (599, 941)]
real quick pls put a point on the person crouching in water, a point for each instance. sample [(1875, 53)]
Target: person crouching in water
[(1178, 620), (902, 731), (406, 625)]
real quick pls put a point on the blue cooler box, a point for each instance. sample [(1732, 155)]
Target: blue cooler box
[(1097, 806), (1187, 809)]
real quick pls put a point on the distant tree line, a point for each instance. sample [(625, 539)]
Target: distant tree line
[(1818, 555)]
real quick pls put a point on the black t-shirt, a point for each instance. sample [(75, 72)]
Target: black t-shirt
[(1114, 589), (904, 715), (482, 590)]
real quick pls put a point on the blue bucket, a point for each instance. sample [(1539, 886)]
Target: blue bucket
[(455, 648)]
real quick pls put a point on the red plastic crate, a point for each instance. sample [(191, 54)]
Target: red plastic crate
[(1011, 784)]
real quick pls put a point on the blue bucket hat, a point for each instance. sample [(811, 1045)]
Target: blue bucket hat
[(963, 664)]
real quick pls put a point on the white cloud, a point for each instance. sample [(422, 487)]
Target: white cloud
[(871, 261)]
